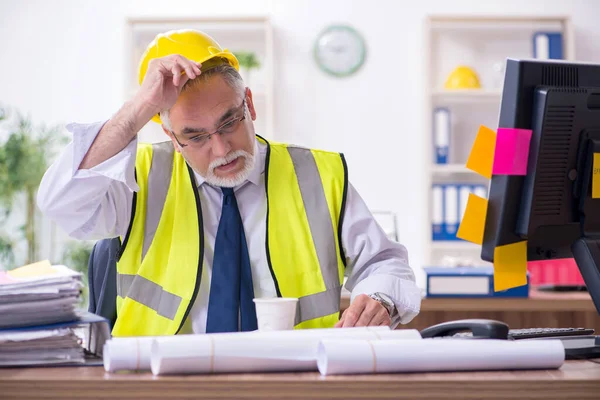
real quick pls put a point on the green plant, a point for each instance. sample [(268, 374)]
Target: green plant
[(247, 59), (6, 250), (25, 155)]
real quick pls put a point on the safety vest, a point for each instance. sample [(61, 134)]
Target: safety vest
[(161, 258)]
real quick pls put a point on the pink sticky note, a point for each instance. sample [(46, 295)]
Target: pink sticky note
[(512, 151)]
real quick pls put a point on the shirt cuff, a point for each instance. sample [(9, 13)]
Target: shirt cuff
[(120, 167), (404, 293)]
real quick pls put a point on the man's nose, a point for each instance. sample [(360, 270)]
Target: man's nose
[(219, 146)]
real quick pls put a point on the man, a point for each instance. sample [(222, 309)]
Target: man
[(218, 215)]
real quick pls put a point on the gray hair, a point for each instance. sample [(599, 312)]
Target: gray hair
[(227, 72)]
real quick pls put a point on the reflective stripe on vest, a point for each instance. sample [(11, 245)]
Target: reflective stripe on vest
[(148, 293), (303, 218), (159, 180)]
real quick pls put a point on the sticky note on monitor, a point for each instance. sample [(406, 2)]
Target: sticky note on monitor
[(481, 159), (596, 177), (473, 222), (512, 151), (510, 266)]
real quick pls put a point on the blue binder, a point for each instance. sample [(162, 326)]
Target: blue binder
[(451, 211), (548, 45), (437, 213), (441, 134)]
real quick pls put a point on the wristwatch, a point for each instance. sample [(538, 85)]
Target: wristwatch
[(385, 301)]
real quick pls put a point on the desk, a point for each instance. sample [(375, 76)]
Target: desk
[(575, 380), (541, 309)]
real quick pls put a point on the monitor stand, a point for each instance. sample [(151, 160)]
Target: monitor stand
[(586, 250), (587, 255)]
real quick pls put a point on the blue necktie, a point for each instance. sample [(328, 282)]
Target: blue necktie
[(231, 290)]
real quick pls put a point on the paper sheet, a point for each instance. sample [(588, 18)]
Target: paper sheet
[(473, 223), (429, 355), (255, 351), (596, 176), (35, 270), (512, 151), (510, 266), (481, 158)]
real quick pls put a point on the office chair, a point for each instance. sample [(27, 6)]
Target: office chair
[(102, 279)]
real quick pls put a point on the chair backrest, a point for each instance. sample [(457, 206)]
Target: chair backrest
[(102, 279)]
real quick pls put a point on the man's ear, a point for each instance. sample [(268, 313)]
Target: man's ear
[(250, 103), (172, 137)]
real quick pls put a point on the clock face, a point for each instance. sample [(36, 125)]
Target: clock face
[(340, 50)]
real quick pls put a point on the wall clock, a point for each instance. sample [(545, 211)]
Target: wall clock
[(340, 50)]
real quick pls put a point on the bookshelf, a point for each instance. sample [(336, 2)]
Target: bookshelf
[(253, 34), (483, 44)]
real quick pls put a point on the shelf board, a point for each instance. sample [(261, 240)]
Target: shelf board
[(467, 96), (496, 25), (450, 169), (454, 245)]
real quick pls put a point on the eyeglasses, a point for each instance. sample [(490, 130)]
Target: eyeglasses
[(226, 128)]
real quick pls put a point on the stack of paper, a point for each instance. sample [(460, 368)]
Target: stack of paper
[(40, 347), (38, 294)]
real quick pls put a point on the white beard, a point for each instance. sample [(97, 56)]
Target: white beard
[(239, 178)]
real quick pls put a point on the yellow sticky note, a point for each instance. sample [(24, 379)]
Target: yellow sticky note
[(481, 158), (596, 177), (473, 223), (37, 269), (510, 266)]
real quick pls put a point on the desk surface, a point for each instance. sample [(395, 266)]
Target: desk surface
[(537, 301), (574, 380)]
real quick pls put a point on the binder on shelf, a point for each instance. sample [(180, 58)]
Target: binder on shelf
[(451, 211), (441, 134), (449, 202), (547, 46), (476, 282), (437, 214), (481, 191), (463, 193)]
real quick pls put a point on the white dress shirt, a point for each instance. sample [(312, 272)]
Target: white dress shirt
[(96, 204)]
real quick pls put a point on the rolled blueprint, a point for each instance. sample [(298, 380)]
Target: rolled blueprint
[(429, 355), (127, 353), (133, 353), (255, 352)]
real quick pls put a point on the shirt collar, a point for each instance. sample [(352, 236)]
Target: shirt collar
[(260, 151)]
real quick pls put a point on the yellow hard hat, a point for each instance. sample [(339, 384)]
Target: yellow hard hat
[(462, 78), (194, 45)]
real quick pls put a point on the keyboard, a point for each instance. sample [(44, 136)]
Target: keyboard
[(536, 333), (532, 333)]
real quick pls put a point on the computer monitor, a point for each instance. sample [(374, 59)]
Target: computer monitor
[(551, 206)]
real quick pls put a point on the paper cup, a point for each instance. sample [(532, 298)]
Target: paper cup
[(276, 314)]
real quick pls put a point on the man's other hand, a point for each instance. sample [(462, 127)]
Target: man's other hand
[(364, 311)]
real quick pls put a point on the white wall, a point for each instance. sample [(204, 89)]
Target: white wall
[(64, 61)]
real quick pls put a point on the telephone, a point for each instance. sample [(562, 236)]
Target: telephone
[(479, 328)]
